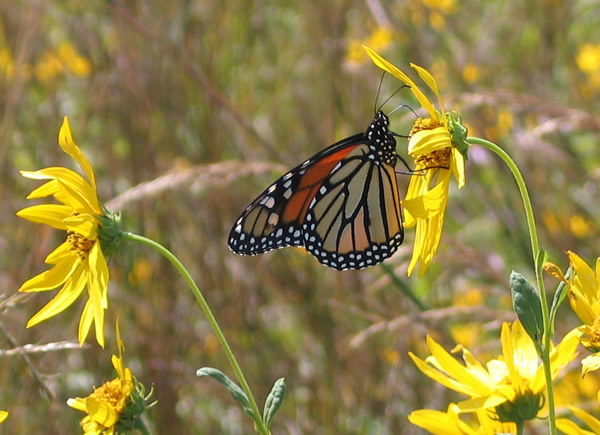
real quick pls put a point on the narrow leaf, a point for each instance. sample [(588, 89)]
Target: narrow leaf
[(237, 393), (526, 304), (274, 401), (559, 296)]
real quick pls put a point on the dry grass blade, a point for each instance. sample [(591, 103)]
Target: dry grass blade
[(195, 178)]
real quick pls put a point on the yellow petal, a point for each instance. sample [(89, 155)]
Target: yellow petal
[(3, 416), (101, 412), (99, 275), (49, 214), (457, 165), (51, 278), (85, 323), (76, 198), (84, 224), (453, 368), (427, 141), (592, 422), (46, 189), (396, 72), (430, 81), (433, 202), (590, 363), (120, 343), (437, 422), (476, 403), (440, 377), (118, 365), (569, 427), (63, 299), (66, 142), (77, 403), (61, 253), (67, 177)]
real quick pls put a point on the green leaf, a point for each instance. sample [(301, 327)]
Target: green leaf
[(559, 296), (237, 393), (527, 305), (274, 401)]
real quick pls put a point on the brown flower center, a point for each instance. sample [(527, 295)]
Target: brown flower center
[(434, 159), (424, 124), (79, 245)]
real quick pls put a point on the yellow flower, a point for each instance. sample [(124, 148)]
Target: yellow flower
[(3, 416), (449, 422), (432, 143), (380, 39), (78, 262), (584, 297), (512, 386), (107, 403), (588, 58), (570, 428)]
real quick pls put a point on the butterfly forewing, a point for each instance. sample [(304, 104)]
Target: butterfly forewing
[(342, 205)]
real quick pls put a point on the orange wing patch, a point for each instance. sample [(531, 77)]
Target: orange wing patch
[(312, 180)]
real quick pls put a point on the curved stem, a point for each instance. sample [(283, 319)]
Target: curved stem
[(259, 424), (537, 266)]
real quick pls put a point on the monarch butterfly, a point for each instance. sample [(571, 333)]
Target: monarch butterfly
[(342, 204)]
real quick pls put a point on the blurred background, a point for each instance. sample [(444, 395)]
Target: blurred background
[(207, 102)]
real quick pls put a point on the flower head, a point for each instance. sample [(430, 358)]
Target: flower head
[(438, 146), (78, 263), (584, 298), (115, 406), (3, 416), (512, 386)]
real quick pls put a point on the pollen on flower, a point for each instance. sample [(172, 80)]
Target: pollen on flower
[(423, 124), (79, 245), (113, 393), (434, 159)]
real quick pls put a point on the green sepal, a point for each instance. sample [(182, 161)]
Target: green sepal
[(458, 132), (528, 307), (274, 401), (237, 393), (109, 231)]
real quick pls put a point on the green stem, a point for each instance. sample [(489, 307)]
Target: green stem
[(404, 288), (259, 424), (537, 265)]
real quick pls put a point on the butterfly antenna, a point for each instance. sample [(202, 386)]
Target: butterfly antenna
[(390, 97), (404, 106), (378, 90)]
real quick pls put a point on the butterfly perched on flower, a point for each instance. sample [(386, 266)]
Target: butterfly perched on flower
[(342, 204)]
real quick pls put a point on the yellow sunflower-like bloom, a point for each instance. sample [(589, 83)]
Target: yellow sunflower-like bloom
[(584, 297), (431, 144), (449, 422), (78, 263), (105, 406), (569, 427), (512, 386)]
